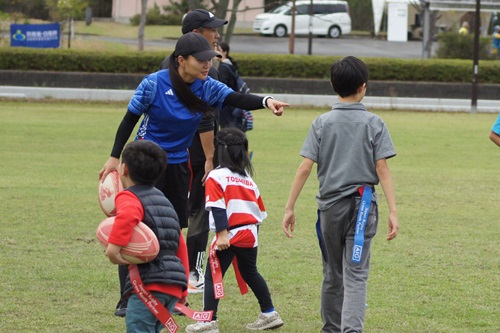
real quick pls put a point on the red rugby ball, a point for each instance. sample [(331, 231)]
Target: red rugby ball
[(142, 247), (108, 189)]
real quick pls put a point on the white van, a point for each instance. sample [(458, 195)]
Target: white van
[(330, 18)]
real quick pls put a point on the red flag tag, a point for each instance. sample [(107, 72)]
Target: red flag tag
[(195, 315), (216, 273)]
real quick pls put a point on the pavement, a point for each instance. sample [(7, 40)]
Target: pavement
[(387, 103), (356, 45)]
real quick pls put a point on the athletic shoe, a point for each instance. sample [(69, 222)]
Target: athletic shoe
[(205, 327), (121, 308), (196, 284), (266, 322)]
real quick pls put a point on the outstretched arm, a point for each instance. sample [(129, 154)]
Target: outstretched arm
[(300, 179), (384, 175), (254, 102), (495, 138)]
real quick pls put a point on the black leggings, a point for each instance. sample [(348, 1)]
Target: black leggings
[(197, 234), (247, 263)]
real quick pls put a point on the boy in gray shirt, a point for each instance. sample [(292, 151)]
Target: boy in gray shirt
[(351, 147)]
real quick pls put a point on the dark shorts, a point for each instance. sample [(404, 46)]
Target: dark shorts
[(174, 183)]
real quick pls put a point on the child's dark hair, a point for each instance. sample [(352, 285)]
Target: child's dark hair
[(231, 150), (225, 47), (347, 75), (145, 161)]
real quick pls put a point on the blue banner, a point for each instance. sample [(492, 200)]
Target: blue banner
[(35, 35)]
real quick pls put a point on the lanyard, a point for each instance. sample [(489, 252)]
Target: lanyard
[(359, 232), (151, 302), (158, 309), (216, 271)]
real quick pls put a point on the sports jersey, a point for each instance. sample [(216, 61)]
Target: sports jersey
[(167, 121), (241, 199)]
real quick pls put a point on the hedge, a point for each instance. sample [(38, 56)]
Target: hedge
[(253, 65)]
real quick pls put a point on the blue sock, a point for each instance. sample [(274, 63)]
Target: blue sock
[(268, 310)]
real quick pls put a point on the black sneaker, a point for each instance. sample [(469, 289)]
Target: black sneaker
[(121, 308)]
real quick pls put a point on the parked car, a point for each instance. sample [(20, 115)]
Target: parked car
[(329, 18)]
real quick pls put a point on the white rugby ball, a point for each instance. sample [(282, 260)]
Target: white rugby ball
[(108, 189)]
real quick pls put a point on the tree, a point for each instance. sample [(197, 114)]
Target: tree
[(29, 8), (62, 9), (142, 25), (193, 4), (220, 10), (232, 21), (361, 14), (429, 18), (67, 9)]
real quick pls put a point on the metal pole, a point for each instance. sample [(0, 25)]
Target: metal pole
[(292, 33), (475, 82), (69, 27), (427, 31), (309, 42), (69, 32)]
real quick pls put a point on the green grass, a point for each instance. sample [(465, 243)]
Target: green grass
[(440, 275), (114, 30), (121, 30)]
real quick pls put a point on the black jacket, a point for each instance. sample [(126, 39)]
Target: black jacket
[(160, 216)]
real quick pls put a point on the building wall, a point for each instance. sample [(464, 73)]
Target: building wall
[(246, 18), (123, 10)]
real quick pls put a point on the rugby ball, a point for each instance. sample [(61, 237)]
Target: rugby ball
[(108, 189), (142, 247)]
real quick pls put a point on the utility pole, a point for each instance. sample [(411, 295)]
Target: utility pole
[(426, 40), (475, 82), (311, 15), (69, 25), (292, 33)]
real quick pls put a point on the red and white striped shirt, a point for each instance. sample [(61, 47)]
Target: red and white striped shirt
[(241, 199)]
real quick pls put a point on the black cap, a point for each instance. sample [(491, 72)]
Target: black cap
[(196, 45), (200, 18)]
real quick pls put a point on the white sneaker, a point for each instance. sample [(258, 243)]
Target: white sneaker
[(196, 284), (266, 322), (205, 327)]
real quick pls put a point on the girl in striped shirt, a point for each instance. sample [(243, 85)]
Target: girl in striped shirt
[(236, 209)]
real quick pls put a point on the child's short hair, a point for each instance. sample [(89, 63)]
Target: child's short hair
[(347, 75), (145, 161), (231, 146)]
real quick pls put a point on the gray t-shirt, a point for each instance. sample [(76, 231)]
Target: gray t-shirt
[(346, 143)]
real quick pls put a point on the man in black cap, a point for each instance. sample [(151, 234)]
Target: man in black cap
[(201, 18), (200, 155), (206, 24)]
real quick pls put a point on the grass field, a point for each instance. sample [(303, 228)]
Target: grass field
[(441, 275), (86, 37)]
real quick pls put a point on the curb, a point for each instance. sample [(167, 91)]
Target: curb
[(387, 103)]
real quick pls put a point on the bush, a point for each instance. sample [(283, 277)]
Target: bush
[(455, 46), (275, 66)]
